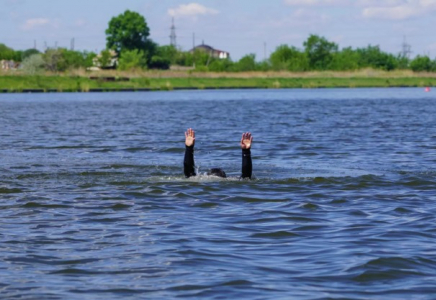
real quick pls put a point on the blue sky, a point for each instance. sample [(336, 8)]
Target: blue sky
[(237, 26)]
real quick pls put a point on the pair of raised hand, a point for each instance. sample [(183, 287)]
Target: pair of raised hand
[(246, 139)]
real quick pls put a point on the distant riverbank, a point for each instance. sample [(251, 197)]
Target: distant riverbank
[(149, 81)]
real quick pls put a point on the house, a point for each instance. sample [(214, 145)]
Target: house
[(9, 65), (213, 52), (111, 61)]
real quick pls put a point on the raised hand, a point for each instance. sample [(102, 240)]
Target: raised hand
[(190, 137), (246, 140)]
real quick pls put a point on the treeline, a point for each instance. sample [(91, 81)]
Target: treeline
[(54, 60), (317, 54), (128, 47)]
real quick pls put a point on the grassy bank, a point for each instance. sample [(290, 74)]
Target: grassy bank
[(169, 80)]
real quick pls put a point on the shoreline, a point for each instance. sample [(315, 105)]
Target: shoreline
[(115, 90), (18, 83)]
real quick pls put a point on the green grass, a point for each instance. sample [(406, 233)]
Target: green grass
[(18, 83)]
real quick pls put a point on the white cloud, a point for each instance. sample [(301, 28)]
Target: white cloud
[(191, 10), (379, 3), (390, 13), (430, 4), (397, 9), (32, 23), (315, 2)]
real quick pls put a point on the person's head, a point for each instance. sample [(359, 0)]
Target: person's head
[(217, 172)]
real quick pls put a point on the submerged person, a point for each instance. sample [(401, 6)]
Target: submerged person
[(189, 166)]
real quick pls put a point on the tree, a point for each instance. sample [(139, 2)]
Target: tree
[(221, 65), (319, 52), (372, 56), (29, 52), (288, 58), (127, 32), (246, 63), (33, 64), (131, 60), (421, 64), (185, 59), (72, 59), (89, 58), (403, 61), (347, 59), (167, 52), (53, 60), (202, 58), (104, 59), (159, 62), (9, 53)]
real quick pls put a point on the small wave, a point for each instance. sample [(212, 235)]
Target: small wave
[(36, 204), (378, 276), (206, 205), (310, 206), (10, 191), (74, 271), (199, 178), (389, 268), (136, 149), (275, 234)]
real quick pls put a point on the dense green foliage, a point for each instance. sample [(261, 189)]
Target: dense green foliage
[(54, 60), (423, 63), (29, 52), (9, 53), (319, 52), (33, 64), (59, 60), (288, 58), (127, 31), (131, 60)]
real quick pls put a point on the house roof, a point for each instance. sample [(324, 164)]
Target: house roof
[(207, 47)]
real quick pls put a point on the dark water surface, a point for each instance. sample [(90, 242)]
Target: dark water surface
[(94, 204)]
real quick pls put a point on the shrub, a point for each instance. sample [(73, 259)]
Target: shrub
[(33, 64), (131, 60)]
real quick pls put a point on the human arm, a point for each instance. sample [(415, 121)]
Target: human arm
[(188, 163), (247, 167)]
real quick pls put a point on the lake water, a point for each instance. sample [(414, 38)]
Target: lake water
[(94, 204)]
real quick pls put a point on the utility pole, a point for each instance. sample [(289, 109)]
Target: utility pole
[(406, 48), (173, 35), (34, 44), (72, 44)]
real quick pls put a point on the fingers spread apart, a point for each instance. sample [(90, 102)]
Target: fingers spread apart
[(190, 133), (247, 136)]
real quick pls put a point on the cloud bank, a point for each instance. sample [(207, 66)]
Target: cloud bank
[(33, 23), (398, 9), (315, 2), (191, 10), (375, 9)]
